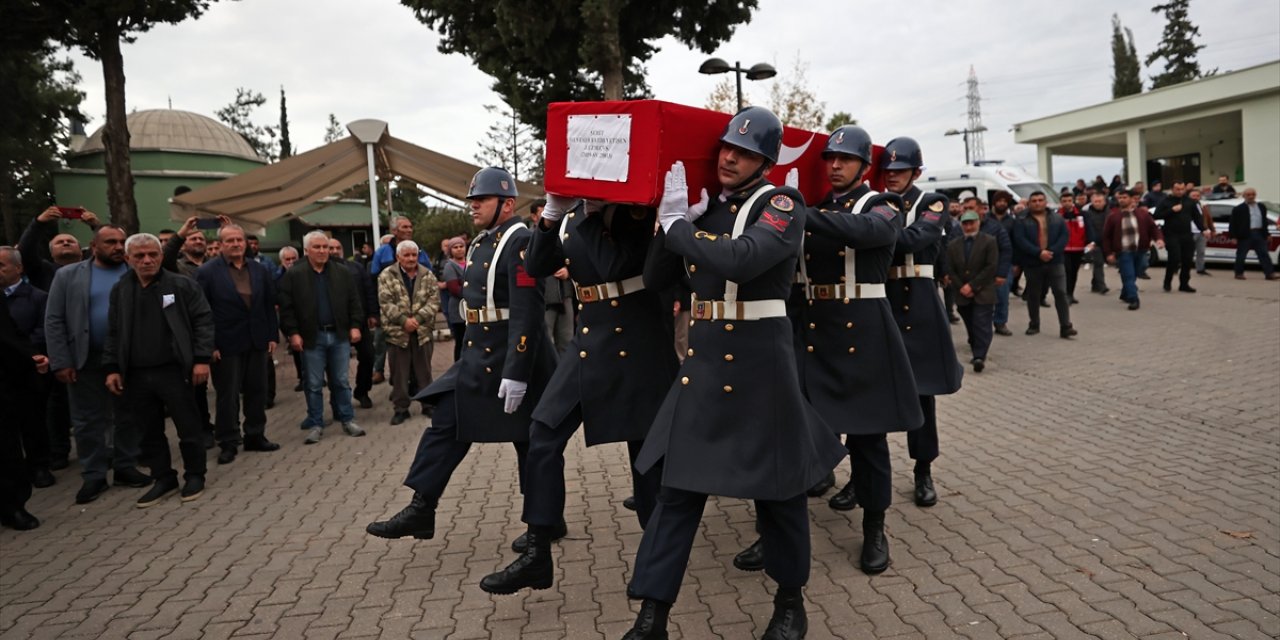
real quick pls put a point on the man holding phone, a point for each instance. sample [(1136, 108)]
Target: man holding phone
[(63, 248)]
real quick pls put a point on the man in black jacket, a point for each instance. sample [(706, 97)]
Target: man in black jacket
[(160, 341), (1095, 216), (1179, 212), (1249, 224), (321, 313), (20, 366)]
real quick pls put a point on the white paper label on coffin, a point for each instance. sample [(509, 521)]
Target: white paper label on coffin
[(599, 147)]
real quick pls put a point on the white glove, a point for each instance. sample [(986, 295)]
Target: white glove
[(793, 178), (700, 207), (675, 197), (512, 393), (556, 206)]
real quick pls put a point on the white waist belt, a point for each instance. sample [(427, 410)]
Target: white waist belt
[(740, 310), (911, 271), (609, 290), (845, 292), (484, 315)]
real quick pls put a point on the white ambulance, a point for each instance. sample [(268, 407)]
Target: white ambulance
[(984, 180)]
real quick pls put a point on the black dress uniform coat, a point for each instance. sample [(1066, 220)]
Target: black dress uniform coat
[(735, 422), (516, 348), (856, 370), (616, 368), (915, 302)]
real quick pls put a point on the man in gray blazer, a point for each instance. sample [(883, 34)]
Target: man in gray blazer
[(75, 326)]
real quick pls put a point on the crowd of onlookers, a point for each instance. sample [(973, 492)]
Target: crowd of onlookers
[(103, 343), (1094, 226)]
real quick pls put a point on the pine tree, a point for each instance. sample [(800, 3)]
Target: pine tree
[(1125, 79), (333, 130), (1177, 47), (238, 116), (840, 119), (286, 146)]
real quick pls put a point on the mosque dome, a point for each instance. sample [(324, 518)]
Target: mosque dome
[(173, 130)]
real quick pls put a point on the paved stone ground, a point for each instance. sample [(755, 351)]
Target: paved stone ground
[(1122, 485)]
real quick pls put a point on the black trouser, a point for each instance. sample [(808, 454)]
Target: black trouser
[(148, 392), (30, 412), (949, 299), (440, 452), (201, 392), (58, 420), (871, 469), (1055, 277), (458, 330), (544, 497), (364, 365), (977, 323), (922, 443), (15, 478), (271, 377), (668, 539), (236, 375), (1099, 262), (1257, 243), (1072, 260), (1182, 253)]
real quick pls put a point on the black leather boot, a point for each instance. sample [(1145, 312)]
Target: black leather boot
[(520, 544), (875, 546), (417, 520), (845, 499), (789, 621), (817, 490), (534, 569), (925, 495), (751, 558), (651, 623)]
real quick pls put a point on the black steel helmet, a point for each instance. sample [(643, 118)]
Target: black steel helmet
[(492, 181), (850, 140), (755, 129), (901, 153)]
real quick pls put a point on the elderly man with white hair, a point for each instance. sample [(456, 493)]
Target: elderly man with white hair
[(409, 300), (160, 341), (320, 312)]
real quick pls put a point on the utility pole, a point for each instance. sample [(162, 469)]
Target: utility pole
[(973, 139)]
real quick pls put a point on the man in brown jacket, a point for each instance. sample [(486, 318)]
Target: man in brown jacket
[(973, 260), (1126, 237), (409, 299)]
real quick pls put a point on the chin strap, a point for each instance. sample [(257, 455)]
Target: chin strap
[(751, 179), (497, 213)]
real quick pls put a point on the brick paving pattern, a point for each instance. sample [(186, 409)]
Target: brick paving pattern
[(1122, 485)]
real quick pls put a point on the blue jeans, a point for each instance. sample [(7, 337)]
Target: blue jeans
[(1128, 262), (1001, 314), (331, 353)]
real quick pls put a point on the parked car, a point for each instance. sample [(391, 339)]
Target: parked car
[(1221, 248)]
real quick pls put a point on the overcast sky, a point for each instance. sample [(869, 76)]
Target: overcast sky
[(898, 72)]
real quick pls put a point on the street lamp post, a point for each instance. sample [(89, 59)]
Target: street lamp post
[(964, 133), (758, 71)]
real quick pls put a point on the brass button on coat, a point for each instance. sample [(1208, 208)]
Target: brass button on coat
[(690, 352), (586, 330), (622, 354), (809, 348), (613, 303), (728, 357), (617, 329), (684, 380), (728, 327), (582, 354), (728, 389)]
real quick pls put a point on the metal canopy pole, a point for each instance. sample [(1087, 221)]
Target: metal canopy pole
[(373, 195)]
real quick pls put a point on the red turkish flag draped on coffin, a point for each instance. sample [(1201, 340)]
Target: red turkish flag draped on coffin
[(620, 151)]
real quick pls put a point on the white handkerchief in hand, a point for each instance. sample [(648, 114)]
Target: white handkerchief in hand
[(166, 300)]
